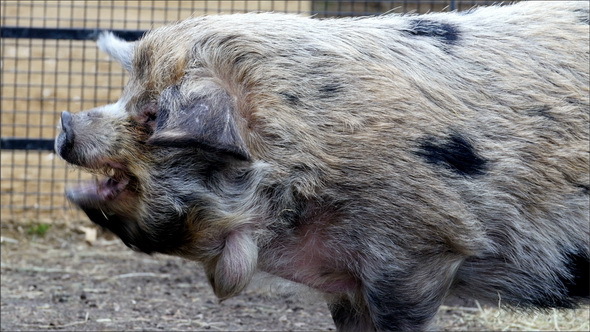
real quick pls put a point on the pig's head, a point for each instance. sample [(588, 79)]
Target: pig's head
[(159, 154)]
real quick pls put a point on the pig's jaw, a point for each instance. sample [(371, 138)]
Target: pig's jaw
[(104, 190), (101, 190)]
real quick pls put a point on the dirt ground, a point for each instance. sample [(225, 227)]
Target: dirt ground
[(59, 281)]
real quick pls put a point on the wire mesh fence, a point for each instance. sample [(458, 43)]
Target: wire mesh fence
[(50, 64)]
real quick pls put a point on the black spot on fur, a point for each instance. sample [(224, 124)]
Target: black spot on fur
[(585, 188), (575, 101), (542, 111), (291, 98), (575, 286), (454, 153), (584, 15), (445, 32), (330, 90), (579, 267)]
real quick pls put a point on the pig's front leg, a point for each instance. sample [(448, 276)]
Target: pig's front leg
[(350, 317)]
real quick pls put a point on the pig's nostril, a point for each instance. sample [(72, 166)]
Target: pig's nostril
[(66, 121), (67, 129), (65, 140)]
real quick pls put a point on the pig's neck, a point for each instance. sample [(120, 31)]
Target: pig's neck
[(310, 252)]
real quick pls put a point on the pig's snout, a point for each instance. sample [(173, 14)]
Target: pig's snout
[(65, 140)]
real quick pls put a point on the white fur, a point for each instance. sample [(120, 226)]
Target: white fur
[(117, 48)]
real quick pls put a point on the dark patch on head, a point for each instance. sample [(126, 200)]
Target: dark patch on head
[(454, 153), (445, 32), (291, 98), (330, 90), (579, 267)]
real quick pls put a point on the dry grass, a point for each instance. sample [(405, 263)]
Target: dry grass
[(483, 318)]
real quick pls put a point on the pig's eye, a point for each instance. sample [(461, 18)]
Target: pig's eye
[(147, 115), (151, 119)]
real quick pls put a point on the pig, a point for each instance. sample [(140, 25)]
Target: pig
[(384, 162)]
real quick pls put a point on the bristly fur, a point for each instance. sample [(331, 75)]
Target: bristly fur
[(382, 161)]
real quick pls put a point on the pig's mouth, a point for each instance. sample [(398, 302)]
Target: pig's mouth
[(112, 181)]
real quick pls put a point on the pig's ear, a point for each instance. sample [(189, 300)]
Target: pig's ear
[(117, 48), (207, 122)]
